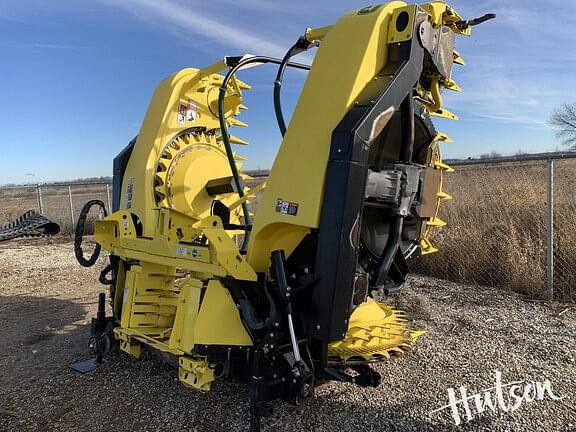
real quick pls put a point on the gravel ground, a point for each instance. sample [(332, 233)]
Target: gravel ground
[(46, 301)]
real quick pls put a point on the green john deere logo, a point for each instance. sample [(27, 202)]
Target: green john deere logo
[(369, 9)]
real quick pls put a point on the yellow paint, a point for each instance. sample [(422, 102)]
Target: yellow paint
[(356, 46), (165, 224), (375, 332), (395, 36), (219, 322), (195, 373), (155, 147), (182, 336), (317, 34)]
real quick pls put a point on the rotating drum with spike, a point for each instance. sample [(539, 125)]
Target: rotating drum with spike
[(185, 167), (418, 225)]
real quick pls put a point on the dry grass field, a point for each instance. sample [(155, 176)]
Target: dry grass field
[(496, 233), (55, 199)]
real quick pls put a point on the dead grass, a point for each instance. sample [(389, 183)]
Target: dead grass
[(55, 200), (496, 233)]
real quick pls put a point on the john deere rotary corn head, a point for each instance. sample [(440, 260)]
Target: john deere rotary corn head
[(353, 193)]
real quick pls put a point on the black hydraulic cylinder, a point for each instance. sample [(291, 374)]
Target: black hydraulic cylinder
[(278, 259)]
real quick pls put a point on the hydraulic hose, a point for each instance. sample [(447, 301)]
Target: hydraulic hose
[(226, 136), (395, 231), (249, 312), (300, 46), (407, 122), (79, 234)]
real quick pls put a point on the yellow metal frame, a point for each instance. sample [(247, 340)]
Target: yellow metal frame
[(298, 172), (176, 255)]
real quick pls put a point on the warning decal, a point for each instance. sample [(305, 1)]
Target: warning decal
[(192, 112), (129, 193), (286, 207), (182, 113)]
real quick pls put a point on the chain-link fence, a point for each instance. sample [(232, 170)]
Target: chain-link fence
[(564, 224), (504, 230), (60, 203)]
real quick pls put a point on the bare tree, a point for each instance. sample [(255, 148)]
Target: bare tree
[(563, 121), (491, 155)]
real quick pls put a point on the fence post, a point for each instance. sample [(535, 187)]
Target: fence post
[(39, 197), (550, 229), (108, 198), (71, 206)]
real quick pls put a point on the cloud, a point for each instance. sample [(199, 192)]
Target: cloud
[(519, 66), (190, 22), (35, 45), (510, 78), (4, 17), (275, 7), (502, 97)]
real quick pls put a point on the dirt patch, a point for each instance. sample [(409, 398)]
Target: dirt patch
[(47, 300)]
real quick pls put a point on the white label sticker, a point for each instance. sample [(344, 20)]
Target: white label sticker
[(180, 250), (286, 207), (129, 193), (125, 298), (192, 112), (182, 112)]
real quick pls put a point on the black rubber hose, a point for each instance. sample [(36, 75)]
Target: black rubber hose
[(388, 252), (79, 234), (407, 122), (300, 46), (249, 313), (226, 137), (395, 231), (112, 270)]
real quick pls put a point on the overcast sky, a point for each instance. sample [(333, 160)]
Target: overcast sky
[(77, 76)]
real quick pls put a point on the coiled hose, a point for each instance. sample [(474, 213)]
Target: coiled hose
[(79, 234)]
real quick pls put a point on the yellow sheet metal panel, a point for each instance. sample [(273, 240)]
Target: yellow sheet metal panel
[(402, 24), (219, 322), (182, 336), (146, 285), (349, 57), (160, 124), (128, 296), (119, 292), (224, 251), (186, 99)]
